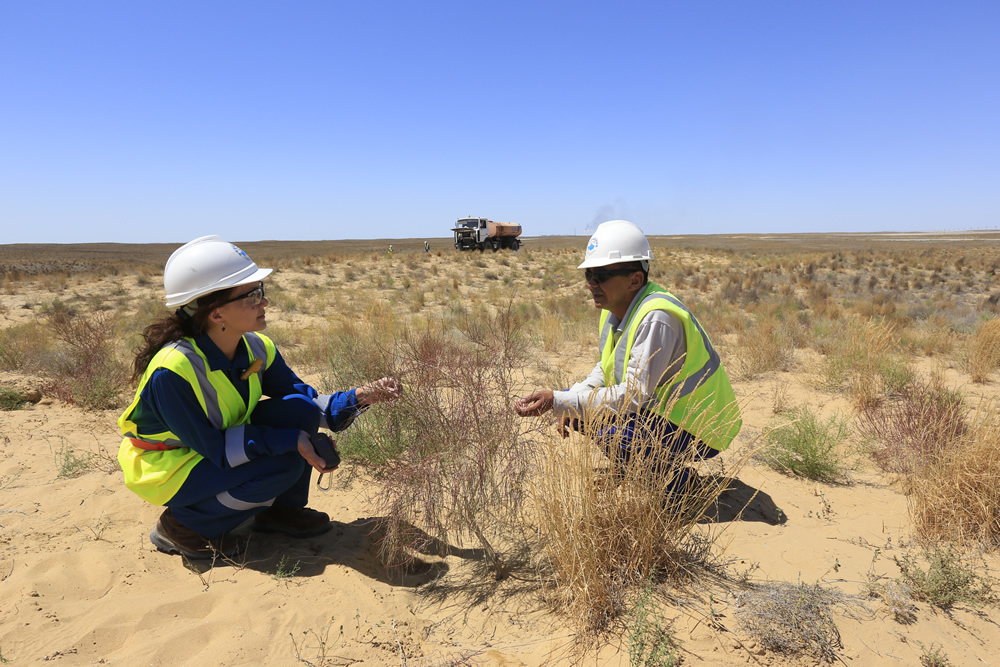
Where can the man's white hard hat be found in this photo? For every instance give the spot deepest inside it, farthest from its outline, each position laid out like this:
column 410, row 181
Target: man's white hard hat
column 205, row 265
column 617, row 241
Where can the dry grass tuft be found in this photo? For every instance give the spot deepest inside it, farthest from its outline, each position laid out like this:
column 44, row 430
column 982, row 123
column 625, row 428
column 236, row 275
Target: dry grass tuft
column 984, row 352
column 795, row 619
column 863, row 357
column 917, row 425
column 762, row 347
column 948, row 456
column 954, row 495
column 604, row 536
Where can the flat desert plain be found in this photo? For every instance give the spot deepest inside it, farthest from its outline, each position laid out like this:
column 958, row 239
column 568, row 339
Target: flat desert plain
column 792, row 317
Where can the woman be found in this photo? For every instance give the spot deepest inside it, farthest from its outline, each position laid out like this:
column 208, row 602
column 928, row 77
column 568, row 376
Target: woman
column 199, row 439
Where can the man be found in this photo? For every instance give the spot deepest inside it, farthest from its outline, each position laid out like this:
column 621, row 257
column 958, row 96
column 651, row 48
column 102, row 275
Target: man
column 658, row 373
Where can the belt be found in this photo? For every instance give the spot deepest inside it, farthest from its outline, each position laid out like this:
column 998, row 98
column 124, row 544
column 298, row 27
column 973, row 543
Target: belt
column 152, row 446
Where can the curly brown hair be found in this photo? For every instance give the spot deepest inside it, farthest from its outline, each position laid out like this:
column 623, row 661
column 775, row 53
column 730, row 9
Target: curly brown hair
column 178, row 324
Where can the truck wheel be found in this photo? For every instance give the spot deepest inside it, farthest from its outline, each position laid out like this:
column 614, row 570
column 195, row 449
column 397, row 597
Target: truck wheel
column 515, row 244
column 494, row 245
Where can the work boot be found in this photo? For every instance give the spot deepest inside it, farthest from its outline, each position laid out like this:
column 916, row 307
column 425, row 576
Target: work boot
column 171, row 537
column 292, row 521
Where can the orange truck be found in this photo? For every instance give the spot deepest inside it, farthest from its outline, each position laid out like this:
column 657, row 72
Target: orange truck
column 480, row 234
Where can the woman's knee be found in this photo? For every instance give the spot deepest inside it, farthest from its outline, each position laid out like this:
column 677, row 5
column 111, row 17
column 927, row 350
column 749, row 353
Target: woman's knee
column 288, row 467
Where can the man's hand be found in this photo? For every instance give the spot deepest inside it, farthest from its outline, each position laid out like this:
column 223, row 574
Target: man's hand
column 380, row 391
column 537, row 403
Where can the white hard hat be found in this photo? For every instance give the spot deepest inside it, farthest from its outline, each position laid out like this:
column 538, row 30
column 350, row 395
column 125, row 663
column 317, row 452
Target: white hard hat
column 205, row 265
column 617, row 241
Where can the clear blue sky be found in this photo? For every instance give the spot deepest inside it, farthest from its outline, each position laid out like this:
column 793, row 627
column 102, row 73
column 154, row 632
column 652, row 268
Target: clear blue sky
column 145, row 121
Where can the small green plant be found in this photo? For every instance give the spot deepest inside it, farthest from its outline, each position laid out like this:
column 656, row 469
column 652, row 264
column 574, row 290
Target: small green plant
column 804, row 445
column 894, row 594
column 73, row 463
column 946, row 581
column 933, row 656
column 322, row 648
column 286, row 569
column 649, row 641
column 7, row 480
column 98, row 527
column 11, row 399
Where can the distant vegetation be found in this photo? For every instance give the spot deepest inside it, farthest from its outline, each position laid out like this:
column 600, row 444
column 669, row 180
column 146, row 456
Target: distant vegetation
column 857, row 315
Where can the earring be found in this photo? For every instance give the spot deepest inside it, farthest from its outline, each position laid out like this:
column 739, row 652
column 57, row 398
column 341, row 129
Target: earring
column 223, row 326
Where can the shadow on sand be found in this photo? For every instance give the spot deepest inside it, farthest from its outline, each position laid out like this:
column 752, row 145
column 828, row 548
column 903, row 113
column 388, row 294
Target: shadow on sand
column 354, row 545
column 740, row 502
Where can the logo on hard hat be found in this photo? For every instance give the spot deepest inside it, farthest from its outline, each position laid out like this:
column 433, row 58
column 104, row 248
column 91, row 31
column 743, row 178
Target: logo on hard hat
column 239, row 251
column 592, row 246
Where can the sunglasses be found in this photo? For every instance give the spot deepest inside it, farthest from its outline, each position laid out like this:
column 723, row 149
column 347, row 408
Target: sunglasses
column 252, row 298
column 598, row 276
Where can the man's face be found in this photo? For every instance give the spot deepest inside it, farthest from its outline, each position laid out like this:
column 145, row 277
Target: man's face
column 610, row 287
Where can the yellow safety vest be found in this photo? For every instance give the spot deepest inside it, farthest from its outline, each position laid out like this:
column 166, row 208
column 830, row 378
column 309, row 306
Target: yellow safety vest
column 699, row 398
column 156, row 475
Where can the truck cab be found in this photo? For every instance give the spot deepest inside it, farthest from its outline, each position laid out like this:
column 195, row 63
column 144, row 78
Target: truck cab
column 481, row 233
column 470, row 233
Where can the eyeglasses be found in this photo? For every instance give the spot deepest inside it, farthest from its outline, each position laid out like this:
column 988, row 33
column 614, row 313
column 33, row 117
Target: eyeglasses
column 252, row 298
column 598, row 276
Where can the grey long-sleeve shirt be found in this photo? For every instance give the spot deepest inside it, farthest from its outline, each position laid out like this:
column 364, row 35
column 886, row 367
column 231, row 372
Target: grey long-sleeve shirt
column 657, row 354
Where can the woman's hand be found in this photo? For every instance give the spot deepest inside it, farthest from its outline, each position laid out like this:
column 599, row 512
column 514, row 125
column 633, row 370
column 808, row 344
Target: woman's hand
column 537, row 403
column 380, row 391
column 308, row 452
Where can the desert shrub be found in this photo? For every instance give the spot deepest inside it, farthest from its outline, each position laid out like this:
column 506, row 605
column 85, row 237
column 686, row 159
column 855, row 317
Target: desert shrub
column 932, row 336
column 25, row 347
column 802, row 444
column 720, row 317
column 451, row 455
column 416, row 300
column 794, row 619
column 933, row 656
column 913, row 428
column 896, row 596
column 73, row 463
column 947, row 581
column 90, row 371
column 983, row 356
column 11, row 399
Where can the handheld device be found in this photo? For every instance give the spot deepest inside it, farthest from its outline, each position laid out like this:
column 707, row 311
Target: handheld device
column 327, row 450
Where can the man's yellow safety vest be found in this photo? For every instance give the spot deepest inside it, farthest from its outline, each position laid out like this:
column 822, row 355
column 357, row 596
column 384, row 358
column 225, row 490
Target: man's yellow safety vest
column 156, row 464
column 699, row 398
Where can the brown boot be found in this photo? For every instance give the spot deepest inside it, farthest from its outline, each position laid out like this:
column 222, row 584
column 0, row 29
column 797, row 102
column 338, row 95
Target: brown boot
column 171, row 537
column 293, row 521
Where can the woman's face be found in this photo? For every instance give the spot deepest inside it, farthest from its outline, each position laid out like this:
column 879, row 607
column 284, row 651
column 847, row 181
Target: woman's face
column 245, row 310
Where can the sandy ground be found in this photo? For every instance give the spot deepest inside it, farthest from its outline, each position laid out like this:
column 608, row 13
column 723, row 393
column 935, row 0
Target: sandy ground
column 80, row 582
column 83, row 585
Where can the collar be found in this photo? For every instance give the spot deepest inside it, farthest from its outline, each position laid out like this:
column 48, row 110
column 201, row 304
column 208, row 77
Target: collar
column 217, row 361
